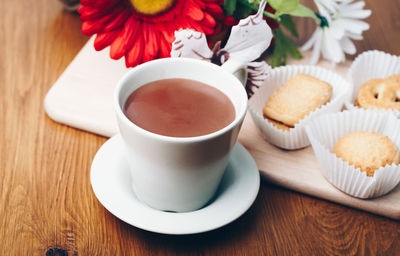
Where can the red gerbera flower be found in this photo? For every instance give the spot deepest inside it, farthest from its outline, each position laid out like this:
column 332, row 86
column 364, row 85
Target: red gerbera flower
column 142, row 30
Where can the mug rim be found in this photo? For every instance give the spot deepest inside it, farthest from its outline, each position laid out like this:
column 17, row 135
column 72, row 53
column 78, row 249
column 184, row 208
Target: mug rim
column 123, row 118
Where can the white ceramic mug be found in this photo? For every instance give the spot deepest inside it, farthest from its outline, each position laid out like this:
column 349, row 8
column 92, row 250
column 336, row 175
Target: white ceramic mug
column 179, row 174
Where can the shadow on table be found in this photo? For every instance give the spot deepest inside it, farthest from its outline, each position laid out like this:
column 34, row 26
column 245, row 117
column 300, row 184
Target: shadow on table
column 239, row 231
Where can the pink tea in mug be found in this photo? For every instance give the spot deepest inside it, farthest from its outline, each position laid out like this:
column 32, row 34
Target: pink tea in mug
column 179, row 107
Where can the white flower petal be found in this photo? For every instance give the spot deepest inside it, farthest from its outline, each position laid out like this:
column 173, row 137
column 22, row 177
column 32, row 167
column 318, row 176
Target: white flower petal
column 337, row 30
column 353, row 25
column 344, row 1
column 328, row 5
column 310, row 41
column 331, row 49
column 356, row 14
column 347, row 45
column 324, row 12
column 354, row 6
column 317, row 46
column 344, row 24
column 354, row 36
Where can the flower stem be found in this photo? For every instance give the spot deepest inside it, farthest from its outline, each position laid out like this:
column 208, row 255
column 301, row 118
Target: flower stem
column 323, row 22
column 268, row 14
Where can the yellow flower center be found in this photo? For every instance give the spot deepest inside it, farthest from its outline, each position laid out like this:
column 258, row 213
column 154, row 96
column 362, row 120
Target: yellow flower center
column 154, row 7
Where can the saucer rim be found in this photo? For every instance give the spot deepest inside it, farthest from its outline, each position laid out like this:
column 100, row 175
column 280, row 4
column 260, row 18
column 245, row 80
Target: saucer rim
column 251, row 170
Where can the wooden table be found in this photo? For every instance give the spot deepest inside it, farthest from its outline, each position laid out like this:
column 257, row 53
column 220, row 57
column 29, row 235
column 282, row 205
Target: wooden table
column 47, row 206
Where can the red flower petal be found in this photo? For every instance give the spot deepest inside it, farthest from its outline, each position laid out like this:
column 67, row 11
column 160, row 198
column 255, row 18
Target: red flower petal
column 195, row 25
column 151, row 39
column 208, row 20
column 134, row 56
column 194, row 11
column 229, row 21
column 208, row 24
column 208, row 30
column 215, row 10
column 144, row 37
column 165, row 48
column 219, row 2
column 132, row 32
column 105, row 39
column 100, row 4
column 117, row 49
column 271, row 22
column 146, row 56
column 166, row 32
column 91, row 27
column 200, row 3
column 118, row 21
column 184, row 23
column 88, row 13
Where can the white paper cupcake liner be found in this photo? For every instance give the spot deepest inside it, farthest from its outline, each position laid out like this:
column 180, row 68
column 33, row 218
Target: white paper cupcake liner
column 326, row 130
column 296, row 137
column 370, row 65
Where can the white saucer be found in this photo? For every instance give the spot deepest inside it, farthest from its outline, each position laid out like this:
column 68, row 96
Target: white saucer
column 111, row 184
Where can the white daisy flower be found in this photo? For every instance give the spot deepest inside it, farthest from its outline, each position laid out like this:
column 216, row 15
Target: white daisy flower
column 329, row 5
column 340, row 22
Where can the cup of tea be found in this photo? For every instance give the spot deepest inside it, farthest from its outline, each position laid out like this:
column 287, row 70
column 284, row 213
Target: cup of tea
column 179, row 120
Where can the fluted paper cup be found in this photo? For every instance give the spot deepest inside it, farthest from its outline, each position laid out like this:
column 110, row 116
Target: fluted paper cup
column 371, row 65
column 296, row 137
column 326, row 130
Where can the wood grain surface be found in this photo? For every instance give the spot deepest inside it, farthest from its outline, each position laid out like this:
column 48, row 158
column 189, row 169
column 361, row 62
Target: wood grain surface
column 47, row 206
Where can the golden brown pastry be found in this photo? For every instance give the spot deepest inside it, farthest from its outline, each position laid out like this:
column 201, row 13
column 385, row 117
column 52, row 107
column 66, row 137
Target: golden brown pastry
column 367, row 150
column 295, row 99
column 380, row 93
column 279, row 125
column 394, row 78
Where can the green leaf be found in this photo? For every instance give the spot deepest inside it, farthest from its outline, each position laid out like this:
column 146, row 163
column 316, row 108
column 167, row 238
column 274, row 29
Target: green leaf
column 283, row 47
column 284, row 6
column 242, row 11
column 288, row 23
column 229, row 7
column 303, row 11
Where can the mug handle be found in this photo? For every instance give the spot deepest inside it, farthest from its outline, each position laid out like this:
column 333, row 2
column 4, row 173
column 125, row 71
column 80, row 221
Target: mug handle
column 236, row 68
